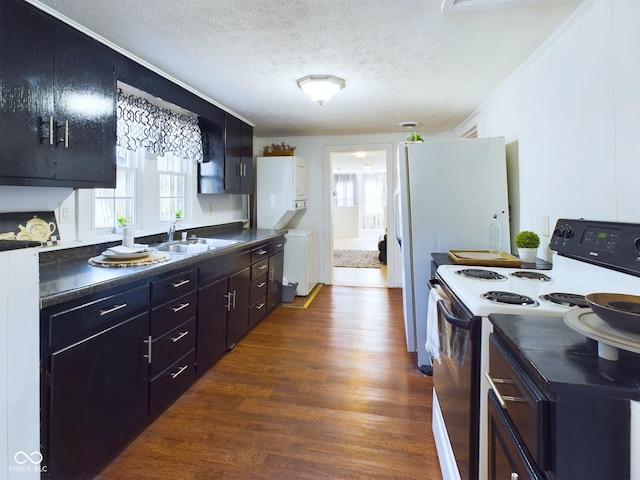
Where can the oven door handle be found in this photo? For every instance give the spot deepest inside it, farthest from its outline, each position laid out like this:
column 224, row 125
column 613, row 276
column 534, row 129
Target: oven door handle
column 433, row 282
column 453, row 320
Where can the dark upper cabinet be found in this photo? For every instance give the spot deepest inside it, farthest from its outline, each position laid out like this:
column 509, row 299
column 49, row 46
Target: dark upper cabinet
column 57, row 103
column 228, row 156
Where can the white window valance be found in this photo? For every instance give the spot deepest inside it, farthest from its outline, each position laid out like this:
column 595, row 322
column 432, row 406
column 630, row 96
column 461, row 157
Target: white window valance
column 141, row 124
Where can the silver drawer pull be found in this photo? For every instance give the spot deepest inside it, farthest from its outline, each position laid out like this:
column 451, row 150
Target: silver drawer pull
column 148, row 355
column 180, row 283
column 182, row 334
column 180, row 370
column 262, row 267
column 261, row 306
column 278, row 245
column 502, row 399
column 261, row 252
column 262, row 284
column 112, row 309
column 182, row 306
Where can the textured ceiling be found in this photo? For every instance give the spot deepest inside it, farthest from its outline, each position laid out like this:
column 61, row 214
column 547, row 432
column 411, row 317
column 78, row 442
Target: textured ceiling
column 401, row 59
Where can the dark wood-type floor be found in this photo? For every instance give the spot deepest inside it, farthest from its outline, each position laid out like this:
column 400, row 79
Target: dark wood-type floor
column 327, row 392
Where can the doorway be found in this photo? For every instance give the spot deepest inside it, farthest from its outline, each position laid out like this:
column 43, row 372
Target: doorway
column 359, row 217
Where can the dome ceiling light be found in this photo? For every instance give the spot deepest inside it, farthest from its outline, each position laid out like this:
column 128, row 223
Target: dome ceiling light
column 321, row 87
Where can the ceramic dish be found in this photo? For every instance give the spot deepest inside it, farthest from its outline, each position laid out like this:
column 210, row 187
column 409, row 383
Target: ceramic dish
column 125, row 256
column 619, row 310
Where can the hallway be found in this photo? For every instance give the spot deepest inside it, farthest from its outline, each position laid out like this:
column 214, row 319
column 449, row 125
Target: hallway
column 326, row 392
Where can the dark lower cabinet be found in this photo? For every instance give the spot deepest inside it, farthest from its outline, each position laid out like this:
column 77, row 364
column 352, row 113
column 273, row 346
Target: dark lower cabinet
column 274, row 287
column 98, row 398
column 212, row 324
column 238, row 305
column 113, row 361
column 508, row 458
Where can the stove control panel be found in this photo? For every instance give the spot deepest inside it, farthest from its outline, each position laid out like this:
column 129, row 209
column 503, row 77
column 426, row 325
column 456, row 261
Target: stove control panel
column 608, row 244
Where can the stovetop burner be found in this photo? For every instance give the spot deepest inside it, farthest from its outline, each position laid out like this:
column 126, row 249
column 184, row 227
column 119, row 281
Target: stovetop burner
column 532, row 276
column 510, row 298
column 566, row 299
column 480, row 274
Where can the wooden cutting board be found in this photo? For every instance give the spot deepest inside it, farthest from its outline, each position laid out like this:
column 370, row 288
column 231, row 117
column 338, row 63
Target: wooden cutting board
column 484, row 258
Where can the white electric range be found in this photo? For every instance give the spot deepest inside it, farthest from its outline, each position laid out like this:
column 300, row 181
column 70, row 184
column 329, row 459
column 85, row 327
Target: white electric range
column 592, row 257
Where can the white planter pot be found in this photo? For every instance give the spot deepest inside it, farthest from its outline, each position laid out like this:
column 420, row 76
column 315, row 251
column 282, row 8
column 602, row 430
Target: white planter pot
column 528, row 255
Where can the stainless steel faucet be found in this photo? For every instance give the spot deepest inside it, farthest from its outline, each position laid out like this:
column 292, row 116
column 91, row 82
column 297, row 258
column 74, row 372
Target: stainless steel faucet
column 171, row 231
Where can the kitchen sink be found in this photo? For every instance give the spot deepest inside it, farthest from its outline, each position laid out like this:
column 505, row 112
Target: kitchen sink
column 196, row 245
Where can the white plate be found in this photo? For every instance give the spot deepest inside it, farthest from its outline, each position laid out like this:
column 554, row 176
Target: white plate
column 125, row 256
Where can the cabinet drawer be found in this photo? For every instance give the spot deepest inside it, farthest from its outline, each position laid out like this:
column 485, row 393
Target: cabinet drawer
column 171, row 383
column 276, row 246
column 81, row 321
column 174, row 313
column 259, row 253
column 258, row 311
column 173, row 286
column 171, row 346
column 222, row 266
column 258, row 289
column 259, row 269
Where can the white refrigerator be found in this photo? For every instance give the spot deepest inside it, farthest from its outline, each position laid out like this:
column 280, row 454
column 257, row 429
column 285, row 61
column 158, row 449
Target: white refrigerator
column 445, row 197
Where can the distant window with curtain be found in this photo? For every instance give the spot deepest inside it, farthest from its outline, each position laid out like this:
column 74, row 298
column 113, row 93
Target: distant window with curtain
column 374, row 186
column 345, row 190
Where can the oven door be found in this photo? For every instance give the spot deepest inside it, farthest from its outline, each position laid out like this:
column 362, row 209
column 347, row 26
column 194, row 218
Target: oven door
column 456, row 380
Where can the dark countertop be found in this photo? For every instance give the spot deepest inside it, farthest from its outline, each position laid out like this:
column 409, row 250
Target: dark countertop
column 444, row 259
column 72, row 277
column 6, row 245
column 563, row 359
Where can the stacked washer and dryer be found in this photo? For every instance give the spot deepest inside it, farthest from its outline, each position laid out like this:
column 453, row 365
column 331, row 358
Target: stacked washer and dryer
column 281, row 194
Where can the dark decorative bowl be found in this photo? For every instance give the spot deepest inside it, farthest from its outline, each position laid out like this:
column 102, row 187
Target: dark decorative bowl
column 619, row 310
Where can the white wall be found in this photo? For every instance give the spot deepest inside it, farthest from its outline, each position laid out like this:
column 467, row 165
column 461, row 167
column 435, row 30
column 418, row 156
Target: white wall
column 316, row 151
column 570, row 115
column 201, row 210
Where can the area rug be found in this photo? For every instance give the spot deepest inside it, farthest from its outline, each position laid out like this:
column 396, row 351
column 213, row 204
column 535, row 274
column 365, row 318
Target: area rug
column 356, row 258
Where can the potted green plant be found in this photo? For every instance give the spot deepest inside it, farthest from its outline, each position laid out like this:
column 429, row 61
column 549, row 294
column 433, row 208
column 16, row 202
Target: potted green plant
column 527, row 243
column 415, row 137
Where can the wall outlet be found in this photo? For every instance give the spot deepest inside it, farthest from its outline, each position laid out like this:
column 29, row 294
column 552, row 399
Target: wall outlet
column 210, row 208
column 65, row 214
column 545, row 225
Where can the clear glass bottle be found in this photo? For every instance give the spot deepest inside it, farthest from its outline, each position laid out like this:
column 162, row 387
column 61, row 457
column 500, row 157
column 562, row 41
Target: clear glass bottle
column 495, row 234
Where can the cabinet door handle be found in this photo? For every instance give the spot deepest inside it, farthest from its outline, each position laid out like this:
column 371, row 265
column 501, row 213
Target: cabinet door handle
column 502, row 399
column 181, row 307
column 261, row 306
column 65, row 136
column 180, row 370
column 262, row 267
column 262, row 284
column 112, row 309
column 228, row 297
column 50, row 135
column 180, row 283
column 261, row 252
column 182, row 334
column 148, row 355
column 271, row 275
column 514, row 476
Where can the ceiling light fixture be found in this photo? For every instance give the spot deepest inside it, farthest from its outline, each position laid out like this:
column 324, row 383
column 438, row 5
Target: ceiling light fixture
column 360, row 154
column 321, row 87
